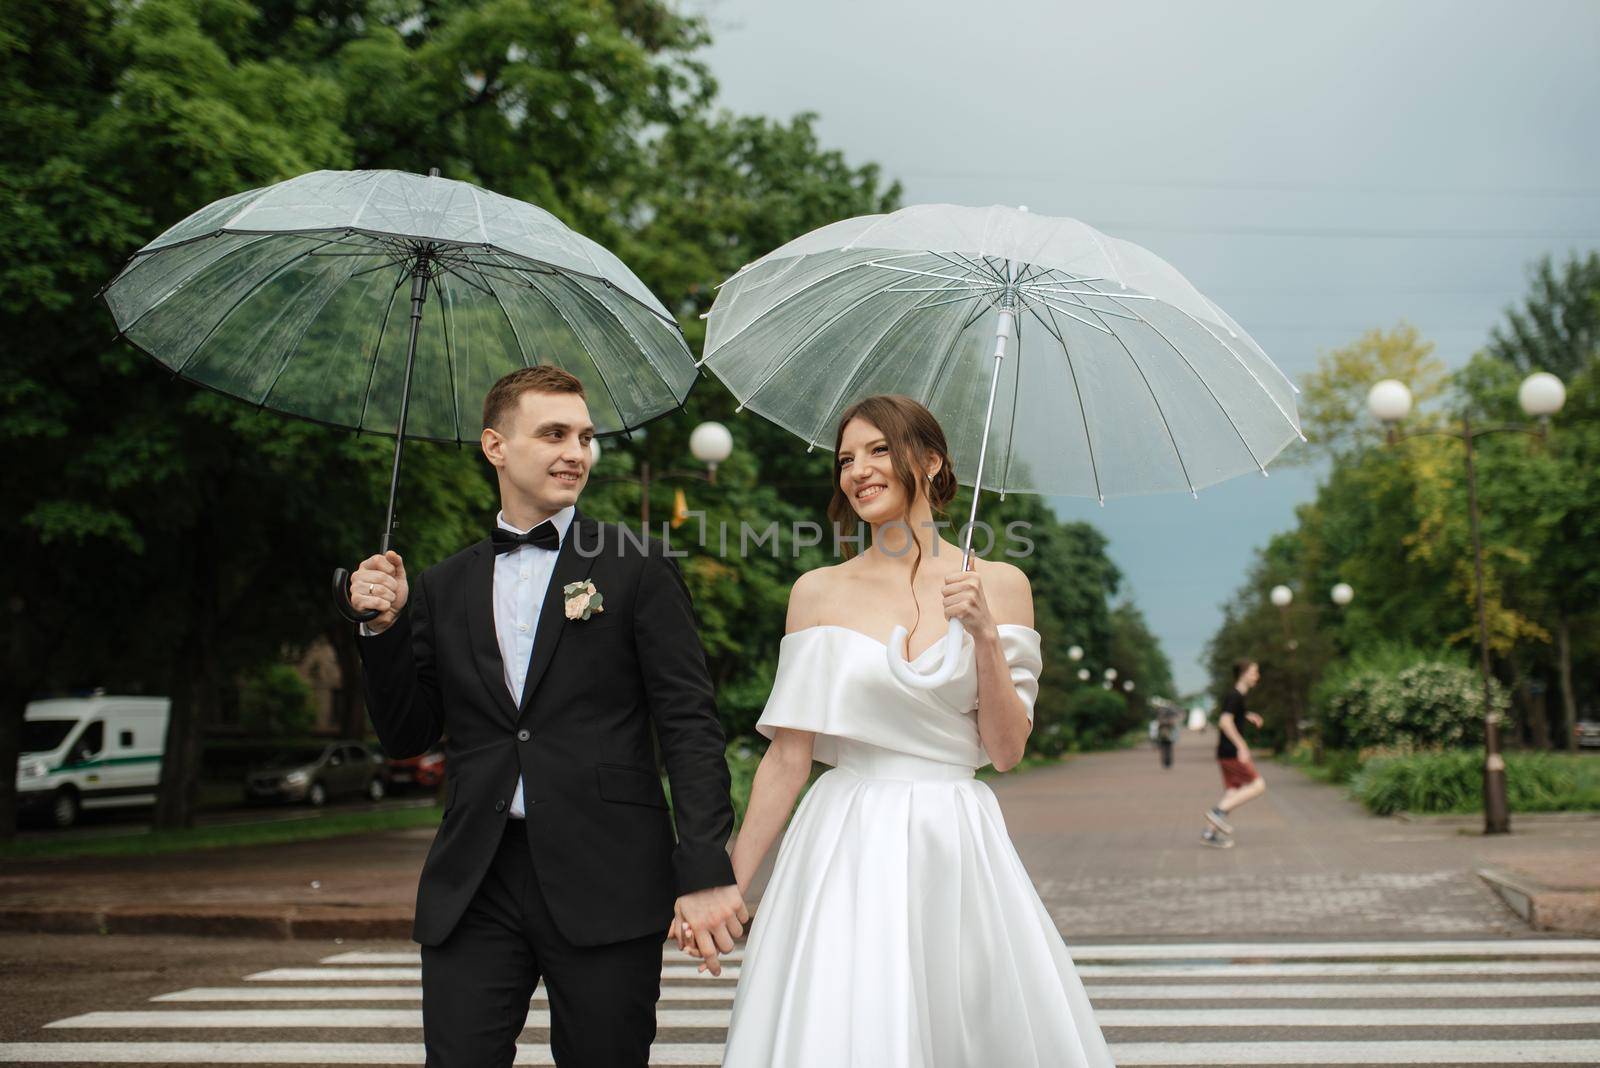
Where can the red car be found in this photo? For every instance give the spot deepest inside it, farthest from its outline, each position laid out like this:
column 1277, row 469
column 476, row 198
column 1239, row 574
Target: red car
column 426, row 770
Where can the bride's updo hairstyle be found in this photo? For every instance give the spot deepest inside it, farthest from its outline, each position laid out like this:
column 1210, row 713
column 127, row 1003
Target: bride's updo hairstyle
column 912, row 434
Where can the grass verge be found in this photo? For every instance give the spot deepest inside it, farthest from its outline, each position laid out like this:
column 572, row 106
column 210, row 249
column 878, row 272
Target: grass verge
column 234, row 836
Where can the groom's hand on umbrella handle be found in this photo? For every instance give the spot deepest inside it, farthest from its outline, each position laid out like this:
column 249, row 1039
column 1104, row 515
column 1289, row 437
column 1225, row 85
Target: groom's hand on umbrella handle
column 379, row 585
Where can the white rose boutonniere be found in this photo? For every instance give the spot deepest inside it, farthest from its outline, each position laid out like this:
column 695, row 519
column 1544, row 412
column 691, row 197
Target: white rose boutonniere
column 583, row 600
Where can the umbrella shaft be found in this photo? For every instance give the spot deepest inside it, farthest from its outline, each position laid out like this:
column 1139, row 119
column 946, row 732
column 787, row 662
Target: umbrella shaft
column 1002, row 334
column 419, row 294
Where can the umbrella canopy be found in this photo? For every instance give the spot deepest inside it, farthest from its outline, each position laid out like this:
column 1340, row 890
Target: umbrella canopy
column 1122, row 378
column 296, row 297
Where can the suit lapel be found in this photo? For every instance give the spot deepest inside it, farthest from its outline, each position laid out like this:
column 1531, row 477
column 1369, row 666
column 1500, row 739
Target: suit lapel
column 571, row 566
column 481, row 630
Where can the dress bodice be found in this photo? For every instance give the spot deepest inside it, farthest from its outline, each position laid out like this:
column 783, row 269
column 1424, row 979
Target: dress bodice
column 835, row 682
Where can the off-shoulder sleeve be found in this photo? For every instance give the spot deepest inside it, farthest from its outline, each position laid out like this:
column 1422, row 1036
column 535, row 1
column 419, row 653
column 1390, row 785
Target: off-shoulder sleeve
column 794, row 701
column 1021, row 646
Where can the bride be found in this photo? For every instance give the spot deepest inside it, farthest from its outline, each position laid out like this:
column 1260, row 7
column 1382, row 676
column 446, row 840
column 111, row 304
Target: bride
column 899, row 928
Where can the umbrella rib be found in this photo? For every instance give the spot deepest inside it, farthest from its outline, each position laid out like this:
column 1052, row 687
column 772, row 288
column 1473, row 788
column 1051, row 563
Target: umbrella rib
column 1055, row 308
column 1201, row 378
column 1231, row 351
column 775, row 305
column 1083, row 414
column 1011, row 431
column 377, row 351
column 304, row 330
column 270, row 276
column 644, row 350
column 449, row 355
column 1159, row 410
column 794, row 350
column 176, row 289
column 949, row 351
column 516, row 334
column 584, row 345
column 855, row 374
column 451, row 270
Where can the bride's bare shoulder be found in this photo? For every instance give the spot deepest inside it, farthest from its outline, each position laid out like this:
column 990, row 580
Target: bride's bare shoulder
column 810, row 595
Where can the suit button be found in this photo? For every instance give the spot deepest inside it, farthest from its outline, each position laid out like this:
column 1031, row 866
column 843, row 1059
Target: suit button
column 523, row 736
column 499, row 806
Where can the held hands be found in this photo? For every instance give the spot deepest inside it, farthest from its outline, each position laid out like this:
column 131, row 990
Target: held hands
column 964, row 600
column 706, row 923
column 380, row 584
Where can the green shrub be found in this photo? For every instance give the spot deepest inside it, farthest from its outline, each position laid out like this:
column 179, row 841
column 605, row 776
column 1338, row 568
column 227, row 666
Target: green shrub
column 274, row 701
column 1395, row 696
column 1095, row 719
column 1452, row 781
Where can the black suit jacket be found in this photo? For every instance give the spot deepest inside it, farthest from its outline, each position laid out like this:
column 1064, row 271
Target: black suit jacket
column 597, row 822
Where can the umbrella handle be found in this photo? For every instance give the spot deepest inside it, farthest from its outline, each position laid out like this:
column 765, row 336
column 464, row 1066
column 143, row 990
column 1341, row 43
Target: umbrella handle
column 940, row 675
column 341, row 599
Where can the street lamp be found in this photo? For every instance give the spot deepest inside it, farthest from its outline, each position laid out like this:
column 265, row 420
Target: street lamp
column 1075, row 653
column 1111, row 674
column 1083, row 674
column 1343, row 594
column 710, row 443
column 1541, row 396
column 1127, row 686
column 1283, row 597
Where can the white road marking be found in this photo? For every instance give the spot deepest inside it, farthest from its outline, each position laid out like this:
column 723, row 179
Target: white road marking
column 1525, row 1051
column 1333, row 968
column 692, row 992
column 1222, row 951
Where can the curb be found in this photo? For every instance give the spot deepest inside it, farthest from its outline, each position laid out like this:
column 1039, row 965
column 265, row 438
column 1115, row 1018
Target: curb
column 1575, row 910
column 281, row 924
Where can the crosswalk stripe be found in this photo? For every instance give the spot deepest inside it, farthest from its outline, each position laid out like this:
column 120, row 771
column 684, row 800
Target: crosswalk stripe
column 1098, row 992
column 413, row 975
column 414, row 957
column 376, row 1019
column 668, row 1019
column 1128, row 1054
column 1333, row 968
column 676, row 1054
column 691, row 992
column 1329, row 950
column 1527, row 1051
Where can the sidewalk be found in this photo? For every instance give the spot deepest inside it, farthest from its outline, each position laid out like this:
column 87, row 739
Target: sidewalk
column 1111, row 840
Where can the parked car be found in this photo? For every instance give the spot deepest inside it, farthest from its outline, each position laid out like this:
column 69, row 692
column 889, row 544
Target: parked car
column 80, row 753
column 316, row 775
column 425, row 770
column 1587, row 734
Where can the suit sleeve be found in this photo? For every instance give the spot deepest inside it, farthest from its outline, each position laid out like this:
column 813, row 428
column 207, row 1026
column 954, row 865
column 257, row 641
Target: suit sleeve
column 402, row 680
column 683, row 705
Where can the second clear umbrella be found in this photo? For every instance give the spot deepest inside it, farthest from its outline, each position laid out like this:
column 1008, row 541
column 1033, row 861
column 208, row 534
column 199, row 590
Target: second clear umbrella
column 1058, row 359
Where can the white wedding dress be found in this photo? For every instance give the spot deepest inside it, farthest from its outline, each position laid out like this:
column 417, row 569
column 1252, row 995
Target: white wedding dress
column 900, row 929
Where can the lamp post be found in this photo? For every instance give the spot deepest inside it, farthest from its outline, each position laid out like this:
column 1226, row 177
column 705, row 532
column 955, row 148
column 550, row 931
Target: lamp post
column 1541, row 396
column 710, row 443
column 1282, row 597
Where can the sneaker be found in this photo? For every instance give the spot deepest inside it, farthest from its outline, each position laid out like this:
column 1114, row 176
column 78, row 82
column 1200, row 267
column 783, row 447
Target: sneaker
column 1210, row 837
column 1219, row 820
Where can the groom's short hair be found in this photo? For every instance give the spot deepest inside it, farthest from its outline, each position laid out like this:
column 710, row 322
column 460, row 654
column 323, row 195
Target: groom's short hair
column 504, row 394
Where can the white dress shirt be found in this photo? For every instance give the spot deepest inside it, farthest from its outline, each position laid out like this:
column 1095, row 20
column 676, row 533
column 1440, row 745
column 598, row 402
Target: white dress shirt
column 520, row 579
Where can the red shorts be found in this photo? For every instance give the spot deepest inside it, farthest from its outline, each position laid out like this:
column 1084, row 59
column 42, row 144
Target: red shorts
column 1236, row 773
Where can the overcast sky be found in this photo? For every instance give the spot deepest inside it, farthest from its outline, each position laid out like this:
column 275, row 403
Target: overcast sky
column 1315, row 169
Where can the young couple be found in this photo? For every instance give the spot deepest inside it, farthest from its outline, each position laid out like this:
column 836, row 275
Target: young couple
column 898, row 928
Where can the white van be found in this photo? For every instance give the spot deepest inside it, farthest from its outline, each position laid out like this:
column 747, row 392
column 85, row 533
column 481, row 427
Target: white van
column 89, row 753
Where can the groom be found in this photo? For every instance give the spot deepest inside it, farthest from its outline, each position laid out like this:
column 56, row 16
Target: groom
column 545, row 654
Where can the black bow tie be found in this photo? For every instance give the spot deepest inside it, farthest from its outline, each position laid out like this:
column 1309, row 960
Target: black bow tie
column 543, row 536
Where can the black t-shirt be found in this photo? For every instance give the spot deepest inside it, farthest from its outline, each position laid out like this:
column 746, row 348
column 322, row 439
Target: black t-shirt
column 1233, row 702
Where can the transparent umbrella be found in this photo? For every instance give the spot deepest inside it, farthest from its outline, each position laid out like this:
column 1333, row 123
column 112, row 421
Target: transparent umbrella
column 1058, row 360
column 308, row 298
